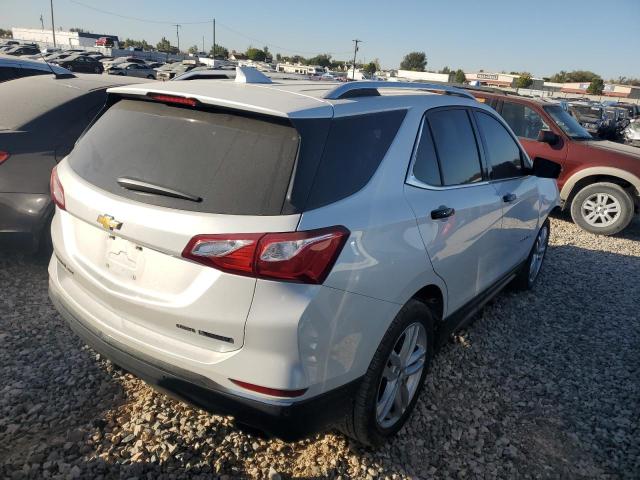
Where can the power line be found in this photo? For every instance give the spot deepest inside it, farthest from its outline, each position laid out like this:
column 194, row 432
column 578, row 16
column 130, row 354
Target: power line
column 173, row 23
column 128, row 17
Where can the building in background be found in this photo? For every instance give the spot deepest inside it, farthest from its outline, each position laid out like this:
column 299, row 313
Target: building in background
column 63, row 38
column 410, row 75
column 504, row 80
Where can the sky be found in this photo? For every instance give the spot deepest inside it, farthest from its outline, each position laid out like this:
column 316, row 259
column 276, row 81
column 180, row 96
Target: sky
column 541, row 36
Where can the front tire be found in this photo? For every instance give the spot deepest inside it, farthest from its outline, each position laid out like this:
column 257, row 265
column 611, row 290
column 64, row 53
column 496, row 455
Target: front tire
column 602, row 208
column 395, row 377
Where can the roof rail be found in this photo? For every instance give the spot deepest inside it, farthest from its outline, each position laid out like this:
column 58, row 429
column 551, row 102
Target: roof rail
column 371, row 88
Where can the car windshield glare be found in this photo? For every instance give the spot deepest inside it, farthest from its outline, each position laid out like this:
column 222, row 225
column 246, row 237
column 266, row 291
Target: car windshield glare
column 567, row 123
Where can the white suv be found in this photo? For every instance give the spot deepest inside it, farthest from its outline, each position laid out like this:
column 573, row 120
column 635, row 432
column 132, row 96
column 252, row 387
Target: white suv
column 292, row 253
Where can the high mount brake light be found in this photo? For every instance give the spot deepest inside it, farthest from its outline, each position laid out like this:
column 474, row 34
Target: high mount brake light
column 303, row 257
column 191, row 102
column 57, row 192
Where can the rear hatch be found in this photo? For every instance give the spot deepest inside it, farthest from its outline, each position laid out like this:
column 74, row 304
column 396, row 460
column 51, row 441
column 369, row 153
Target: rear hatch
column 144, row 180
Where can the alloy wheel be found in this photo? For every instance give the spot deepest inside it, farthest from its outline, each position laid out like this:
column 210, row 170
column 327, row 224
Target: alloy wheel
column 401, row 375
column 600, row 209
column 539, row 250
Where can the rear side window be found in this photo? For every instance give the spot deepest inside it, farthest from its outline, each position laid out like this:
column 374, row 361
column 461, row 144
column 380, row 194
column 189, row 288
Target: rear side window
column 353, row 151
column 235, row 164
column 456, row 146
column 502, row 150
column 425, row 167
column 524, row 122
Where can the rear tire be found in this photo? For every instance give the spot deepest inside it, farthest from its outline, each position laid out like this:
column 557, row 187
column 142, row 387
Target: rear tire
column 367, row 422
column 150, row 77
column 602, row 208
column 528, row 274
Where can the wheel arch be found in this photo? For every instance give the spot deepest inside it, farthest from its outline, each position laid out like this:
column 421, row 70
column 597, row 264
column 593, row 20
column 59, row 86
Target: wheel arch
column 432, row 296
column 590, row 176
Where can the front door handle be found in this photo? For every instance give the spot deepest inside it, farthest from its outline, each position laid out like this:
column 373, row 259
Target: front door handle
column 442, row 212
column 509, row 197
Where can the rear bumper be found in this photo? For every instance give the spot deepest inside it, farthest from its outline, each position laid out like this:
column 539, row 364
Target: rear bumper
column 25, row 213
column 289, row 422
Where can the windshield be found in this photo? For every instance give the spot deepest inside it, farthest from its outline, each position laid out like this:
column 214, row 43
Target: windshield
column 567, row 123
column 587, row 111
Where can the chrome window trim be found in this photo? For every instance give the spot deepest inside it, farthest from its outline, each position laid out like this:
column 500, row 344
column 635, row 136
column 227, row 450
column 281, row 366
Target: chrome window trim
column 410, row 178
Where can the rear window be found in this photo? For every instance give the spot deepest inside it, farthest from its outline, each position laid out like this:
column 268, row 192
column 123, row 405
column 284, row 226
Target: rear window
column 234, row 164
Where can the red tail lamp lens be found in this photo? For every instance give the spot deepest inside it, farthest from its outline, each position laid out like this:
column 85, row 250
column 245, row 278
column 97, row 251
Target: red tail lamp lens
column 57, row 192
column 304, row 257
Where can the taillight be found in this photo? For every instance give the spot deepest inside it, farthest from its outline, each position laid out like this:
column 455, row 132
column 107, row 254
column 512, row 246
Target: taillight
column 3, row 156
column 274, row 392
column 230, row 253
column 304, row 257
column 57, row 192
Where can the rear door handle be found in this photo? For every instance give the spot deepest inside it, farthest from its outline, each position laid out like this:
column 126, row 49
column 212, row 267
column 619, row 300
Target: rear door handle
column 509, row 197
column 442, row 212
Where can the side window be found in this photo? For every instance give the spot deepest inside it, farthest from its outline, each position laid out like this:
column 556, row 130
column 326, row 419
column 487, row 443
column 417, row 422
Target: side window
column 425, row 165
column 524, row 121
column 456, row 146
column 502, row 150
column 353, row 150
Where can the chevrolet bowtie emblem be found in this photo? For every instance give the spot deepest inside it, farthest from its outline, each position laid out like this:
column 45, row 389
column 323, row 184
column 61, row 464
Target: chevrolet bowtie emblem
column 108, row 222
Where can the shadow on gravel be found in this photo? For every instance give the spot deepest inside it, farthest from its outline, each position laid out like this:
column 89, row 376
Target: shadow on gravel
column 544, row 384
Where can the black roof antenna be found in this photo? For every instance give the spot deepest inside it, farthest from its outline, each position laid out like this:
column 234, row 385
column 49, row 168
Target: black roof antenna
column 57, row 75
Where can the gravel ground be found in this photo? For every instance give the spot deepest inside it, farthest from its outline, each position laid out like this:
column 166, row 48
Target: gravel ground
column 542, row 385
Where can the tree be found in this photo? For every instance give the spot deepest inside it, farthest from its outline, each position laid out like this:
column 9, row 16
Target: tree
column 5, row 33
column 460, row 76
column 416, row 61
column 524, row 80
column 445, row 70
column 324, row 60
column 79, row 30
column 370, row 68
column 136, row 43
column 256, row 54
column 575, row 76
column 193, row 49
column 596, row 86
column 164, row 45
column 219, row 52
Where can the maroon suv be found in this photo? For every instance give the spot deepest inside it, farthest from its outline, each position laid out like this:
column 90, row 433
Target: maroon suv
column 600, row 180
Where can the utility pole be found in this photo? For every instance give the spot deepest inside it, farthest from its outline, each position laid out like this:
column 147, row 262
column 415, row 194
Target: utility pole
column 355, row 51
column 177, row 25
column 214, row 38
column 42, row 21
column 203, row 43
column 53, row 26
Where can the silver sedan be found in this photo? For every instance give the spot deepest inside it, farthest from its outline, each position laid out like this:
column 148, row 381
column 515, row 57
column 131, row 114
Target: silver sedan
column 133, row 70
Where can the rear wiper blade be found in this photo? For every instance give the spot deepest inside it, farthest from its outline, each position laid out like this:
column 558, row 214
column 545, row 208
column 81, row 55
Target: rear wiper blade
column 138, row 185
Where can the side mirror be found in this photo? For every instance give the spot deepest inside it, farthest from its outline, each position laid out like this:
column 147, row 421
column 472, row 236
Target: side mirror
column 544, row 168
column 547, row 136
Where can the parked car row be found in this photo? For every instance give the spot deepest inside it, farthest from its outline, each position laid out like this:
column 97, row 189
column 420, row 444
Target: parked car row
column 600, row 180
column 603, row 120
column 292, row 256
